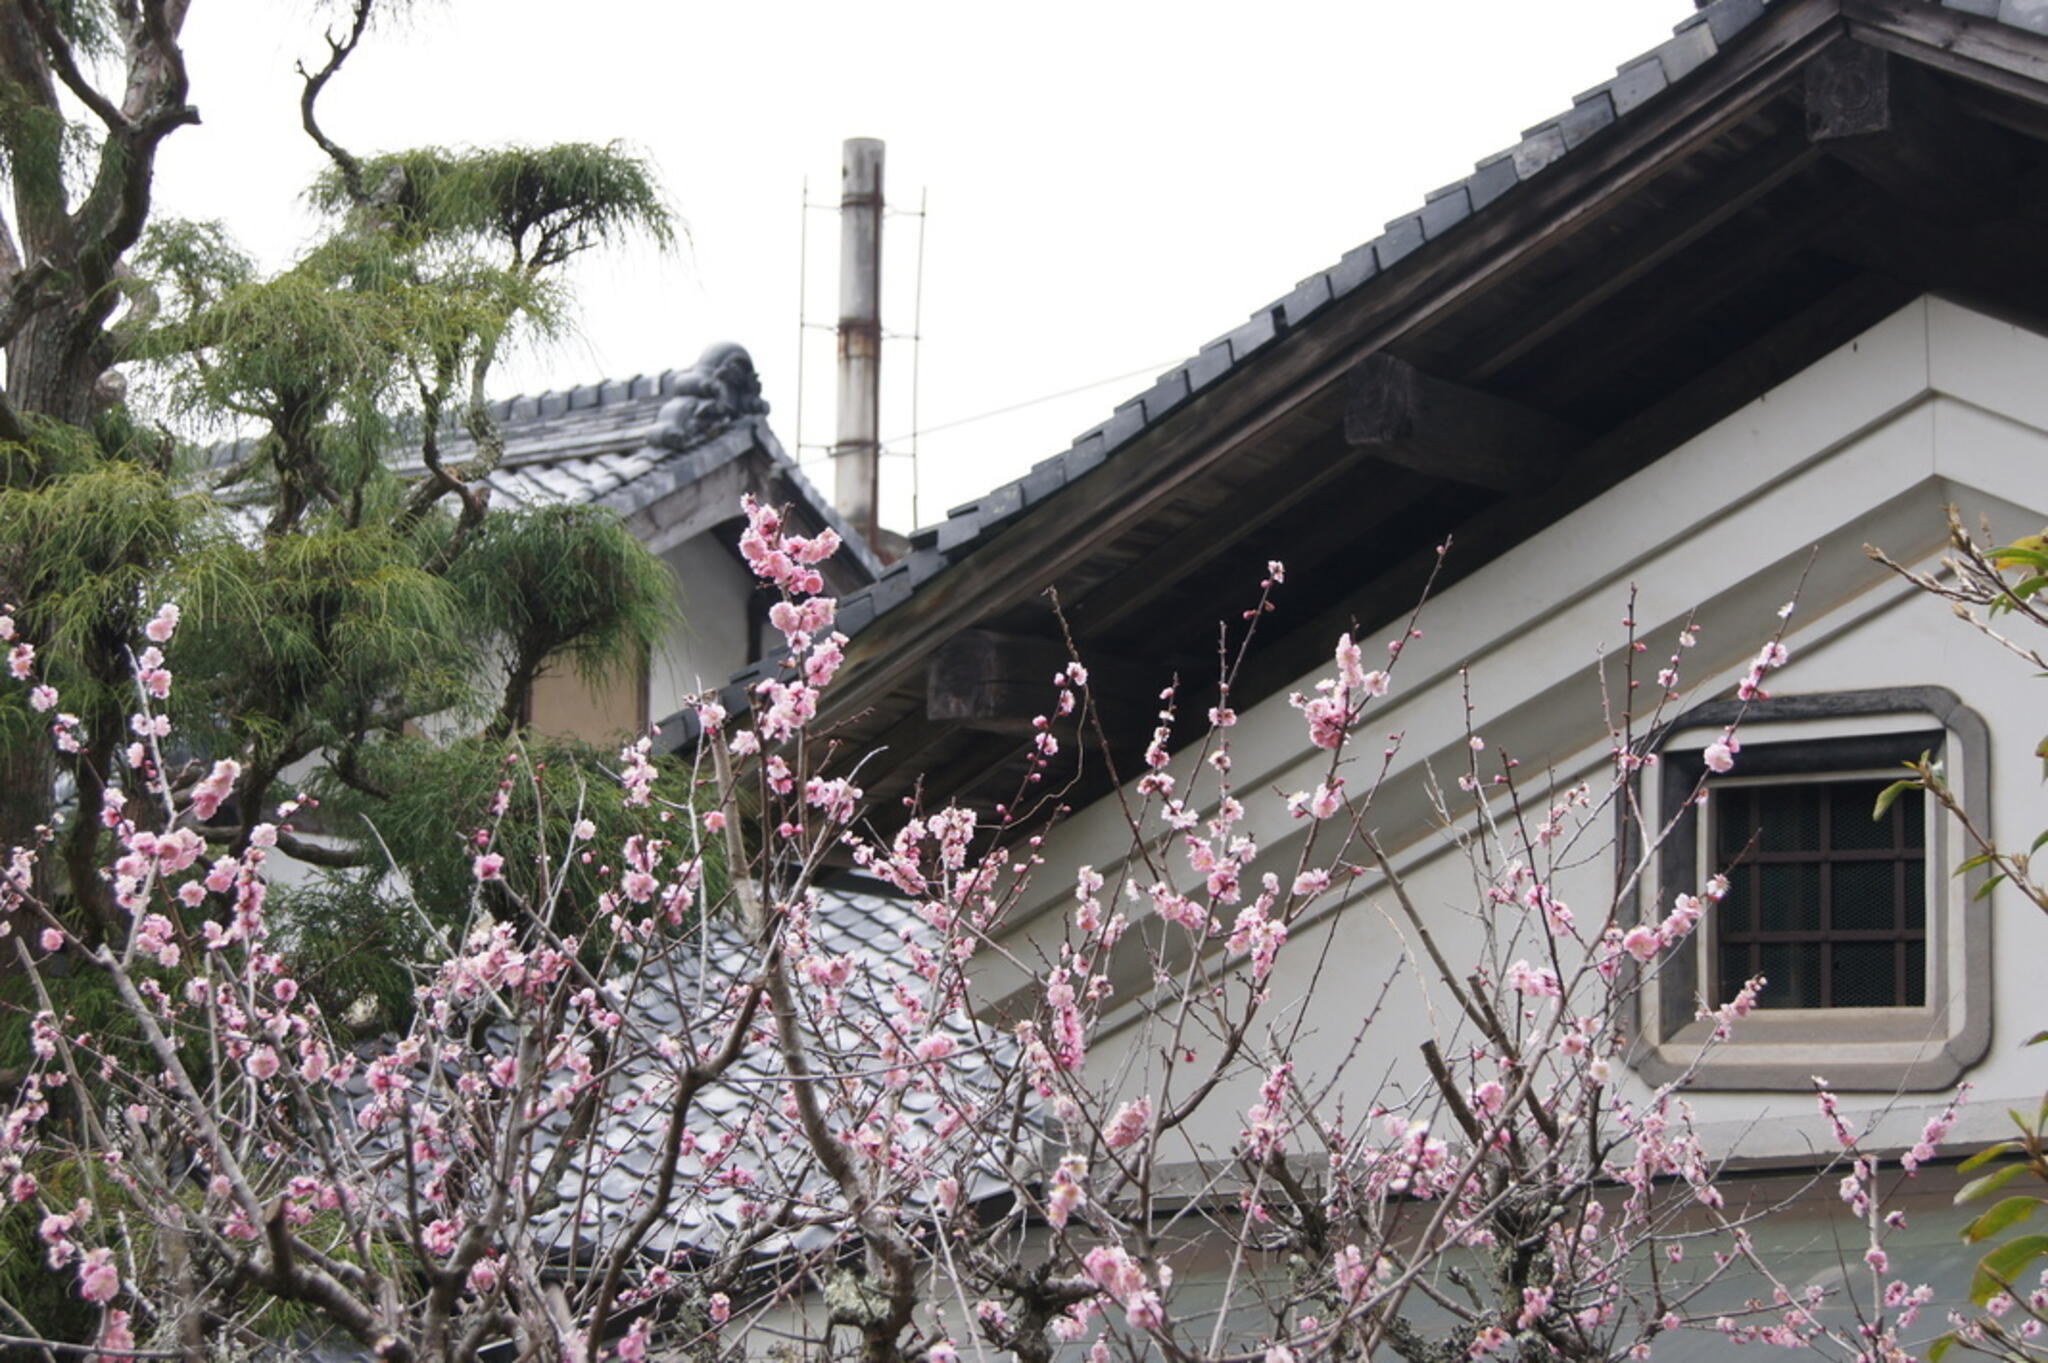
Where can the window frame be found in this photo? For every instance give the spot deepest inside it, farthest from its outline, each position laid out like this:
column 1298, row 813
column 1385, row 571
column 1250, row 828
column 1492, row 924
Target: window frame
column 1875, row 1048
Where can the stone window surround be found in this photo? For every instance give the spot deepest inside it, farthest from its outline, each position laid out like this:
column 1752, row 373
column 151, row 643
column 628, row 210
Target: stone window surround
column 1859, row 1049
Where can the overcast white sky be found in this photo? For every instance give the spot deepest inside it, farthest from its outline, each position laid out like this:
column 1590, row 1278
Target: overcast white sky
column 1110, row 184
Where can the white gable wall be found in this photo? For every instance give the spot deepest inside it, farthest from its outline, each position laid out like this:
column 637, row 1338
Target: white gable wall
column 709, row 641
column 1935, row 404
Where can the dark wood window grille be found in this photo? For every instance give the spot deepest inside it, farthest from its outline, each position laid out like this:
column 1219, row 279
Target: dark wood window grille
column 1825, row 902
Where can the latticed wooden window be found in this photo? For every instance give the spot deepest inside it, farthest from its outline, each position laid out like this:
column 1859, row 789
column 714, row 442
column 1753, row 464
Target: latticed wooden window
column 1829, row 905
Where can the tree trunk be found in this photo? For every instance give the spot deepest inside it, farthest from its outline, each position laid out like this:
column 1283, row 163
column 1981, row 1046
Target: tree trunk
column 50, row 369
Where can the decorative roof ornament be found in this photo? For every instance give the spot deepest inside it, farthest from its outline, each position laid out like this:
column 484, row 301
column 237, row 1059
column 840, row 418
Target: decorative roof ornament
column 717, row 391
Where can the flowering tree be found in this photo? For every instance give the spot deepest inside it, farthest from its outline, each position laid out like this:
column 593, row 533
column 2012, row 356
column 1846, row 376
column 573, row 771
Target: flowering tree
column 719, row 1107
column 1991, row 587
column 335, row 602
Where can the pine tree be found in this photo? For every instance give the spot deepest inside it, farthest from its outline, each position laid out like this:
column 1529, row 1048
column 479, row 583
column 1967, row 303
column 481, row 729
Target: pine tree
column 364, row 623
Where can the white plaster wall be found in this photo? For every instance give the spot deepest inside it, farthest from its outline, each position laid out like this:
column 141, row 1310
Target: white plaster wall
column 1935, row 404
column 709, row 643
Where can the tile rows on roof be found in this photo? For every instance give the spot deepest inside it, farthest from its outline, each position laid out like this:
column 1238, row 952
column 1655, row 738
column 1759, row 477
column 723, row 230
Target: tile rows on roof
column 599, row 454
column 545, row 424
column 734, row 1121
column 845, row 922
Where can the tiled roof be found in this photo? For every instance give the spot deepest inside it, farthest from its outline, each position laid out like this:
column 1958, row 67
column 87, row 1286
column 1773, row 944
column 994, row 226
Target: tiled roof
column 595, row 444
column 738, row 1124
column 1695, row 41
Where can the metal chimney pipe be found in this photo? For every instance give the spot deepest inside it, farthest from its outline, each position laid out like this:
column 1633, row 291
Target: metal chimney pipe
column 856, row 455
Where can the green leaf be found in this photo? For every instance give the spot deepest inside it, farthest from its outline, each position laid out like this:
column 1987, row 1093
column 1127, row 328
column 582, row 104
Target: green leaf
column 1984, row 1157
column 1984, row 890
column 2043, row 835
column 1990, row 1183
column 1889, row 794
column 2029, row 587
column 1981, row 859
column 1938, row 1350
column 2036, row 1039
column 1997, row 1270
column 2020, row 555
column 2009, row 1211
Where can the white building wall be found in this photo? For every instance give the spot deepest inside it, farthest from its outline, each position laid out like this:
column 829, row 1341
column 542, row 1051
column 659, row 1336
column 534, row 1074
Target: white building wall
column 1935, row 405
column 710, row 640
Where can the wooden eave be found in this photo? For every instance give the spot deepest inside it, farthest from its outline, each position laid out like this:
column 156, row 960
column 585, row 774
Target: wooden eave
column 1675, row 265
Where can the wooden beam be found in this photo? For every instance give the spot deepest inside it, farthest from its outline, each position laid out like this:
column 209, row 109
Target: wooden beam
column 979, row 675
column 1848, row 93
column 1980, row 50
column 987, row 679
column 1412, row 420
column 1717, row 391
column 1892, row 124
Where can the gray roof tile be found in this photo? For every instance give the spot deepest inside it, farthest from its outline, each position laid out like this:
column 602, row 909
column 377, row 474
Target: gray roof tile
column 1250, row 334
column 1536, row 150
column 1635, row 83
column 1684, row 53
column 1046, row 477
column 1125, row 422
column 854, row 613
column 1402, row 238
column 1211, row 362
column 955, row 531
column 1168, row 393
column 1583, row 120
column 1358, row 265
column 1986, row 9
column 1495, row 176
column 1089, row 450
column 1307, row 296
column 1001, row 504
column 1441, row 214
column 2031, row 15
column 1726, row 18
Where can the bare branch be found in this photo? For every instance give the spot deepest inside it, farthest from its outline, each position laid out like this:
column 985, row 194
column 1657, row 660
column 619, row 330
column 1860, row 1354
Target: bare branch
column 338, row 52
column 57, row 51
column 110, row 219
column 313, row 854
